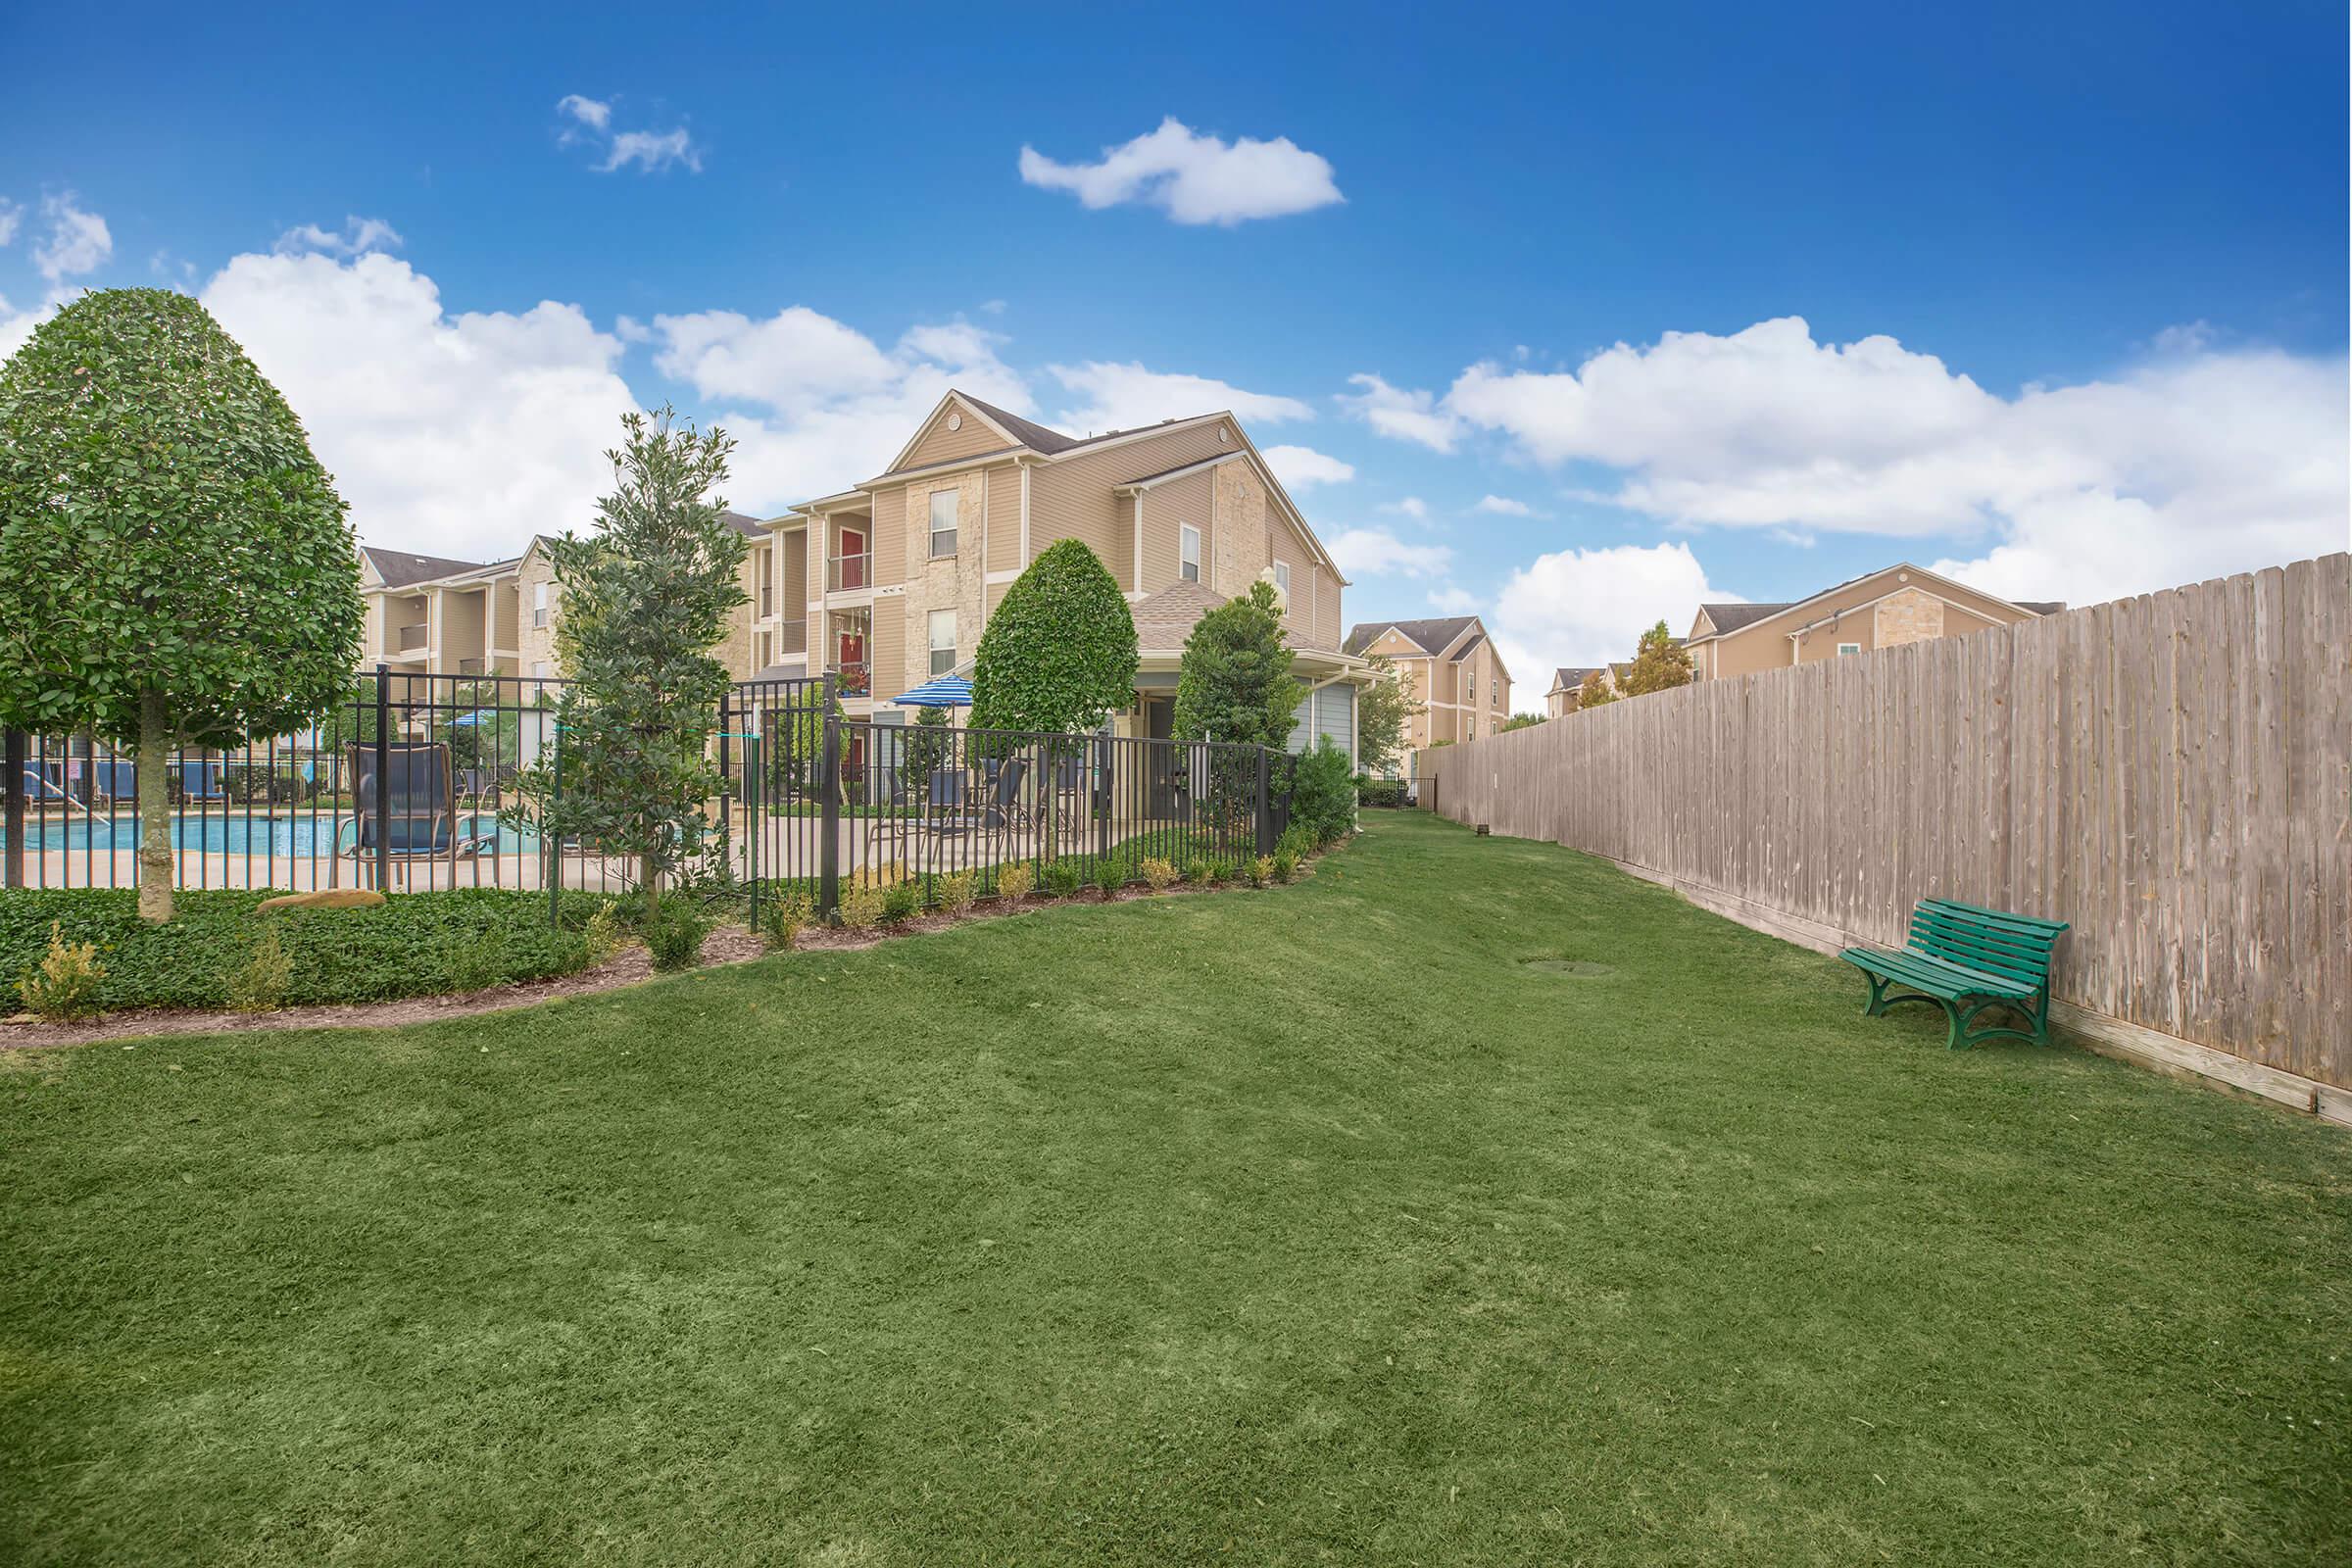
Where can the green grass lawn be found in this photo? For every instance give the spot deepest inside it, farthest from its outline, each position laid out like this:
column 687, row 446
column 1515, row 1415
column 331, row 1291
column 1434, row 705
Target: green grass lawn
column 1302, row 1226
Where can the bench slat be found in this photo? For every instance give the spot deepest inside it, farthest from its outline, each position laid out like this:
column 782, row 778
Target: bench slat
column 2003, row 917
column 1978, row 950
column 1933, row 975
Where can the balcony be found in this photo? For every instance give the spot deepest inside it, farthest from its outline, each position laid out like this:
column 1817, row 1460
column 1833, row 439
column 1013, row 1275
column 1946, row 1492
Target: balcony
column 852, row 679
column 843, row 572
column 412, row 637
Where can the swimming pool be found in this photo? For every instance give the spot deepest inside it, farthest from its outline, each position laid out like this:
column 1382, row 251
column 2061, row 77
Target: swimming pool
column 299, row 836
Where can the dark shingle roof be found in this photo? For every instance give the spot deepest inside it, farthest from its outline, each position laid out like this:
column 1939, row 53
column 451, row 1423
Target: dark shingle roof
column 748, row 526
column 1468, row 649
column 1432, row 635
column 1163, row 620
column 1570, row 677
column 1028, row 432
column 1731, row 618
column 2041, row 607
column 400, row 567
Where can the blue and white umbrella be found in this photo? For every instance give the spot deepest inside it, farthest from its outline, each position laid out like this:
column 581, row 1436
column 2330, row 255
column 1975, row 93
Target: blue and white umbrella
column 944, row 691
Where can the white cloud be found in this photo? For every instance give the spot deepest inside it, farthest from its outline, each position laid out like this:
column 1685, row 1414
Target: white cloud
column 1299, row 467
column 11, row 214
column 653, row 151
column 1377, row 553
column 1583, row 607
column 355, row 237
column 1402, row 414
column 593, row 112
column 1412, row 507
column 1504, row 507
column 2195, row 462
column 1195, row 178
column 1454, row 601
column 833, row 407
column 79, row 242
column 452, row 434
column 1126, row 397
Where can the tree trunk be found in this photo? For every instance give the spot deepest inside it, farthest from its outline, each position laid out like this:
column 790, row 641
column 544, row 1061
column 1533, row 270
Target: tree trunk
column 649, row 882
column 155, row 811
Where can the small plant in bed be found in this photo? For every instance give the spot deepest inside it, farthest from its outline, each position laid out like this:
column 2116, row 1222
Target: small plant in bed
column 1015, row 883
column 674, row 935
column 64, row 985
column 415, row 944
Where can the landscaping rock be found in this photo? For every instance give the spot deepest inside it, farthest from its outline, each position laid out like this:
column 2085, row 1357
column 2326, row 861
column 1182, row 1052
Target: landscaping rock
column 323, row 899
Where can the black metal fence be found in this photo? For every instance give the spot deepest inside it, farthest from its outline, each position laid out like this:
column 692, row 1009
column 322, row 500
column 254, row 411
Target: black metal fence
column 410, row 782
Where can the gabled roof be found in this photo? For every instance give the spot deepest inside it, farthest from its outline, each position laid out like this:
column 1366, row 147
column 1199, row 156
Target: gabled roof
column 1569, row 678
column 1432, row 637
column 1729, row 618
column 1468, row 649
column 744, row 524
column 399, row 567
column 1166, row 618
column 1028, row 432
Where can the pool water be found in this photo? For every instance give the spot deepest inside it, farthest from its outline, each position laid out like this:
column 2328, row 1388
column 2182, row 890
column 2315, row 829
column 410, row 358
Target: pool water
column 300, row 837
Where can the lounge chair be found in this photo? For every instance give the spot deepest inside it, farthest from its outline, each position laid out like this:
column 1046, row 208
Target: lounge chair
column 946, row 810
column 1005, row 808
column 418, row 819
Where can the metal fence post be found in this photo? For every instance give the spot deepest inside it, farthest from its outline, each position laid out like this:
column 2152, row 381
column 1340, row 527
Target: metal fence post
column 12, row 789
column 750, row 820
column 726, row 791
column 1265, row 804
column 828, row 786
column 550, row 841
column 383, row 777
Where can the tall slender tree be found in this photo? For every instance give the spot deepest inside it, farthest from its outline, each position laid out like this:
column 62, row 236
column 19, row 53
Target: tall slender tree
column 645, row 597
column 1384, row 710
column 176, row 568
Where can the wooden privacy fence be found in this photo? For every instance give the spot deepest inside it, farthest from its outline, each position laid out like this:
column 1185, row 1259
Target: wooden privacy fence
column 2172, row 773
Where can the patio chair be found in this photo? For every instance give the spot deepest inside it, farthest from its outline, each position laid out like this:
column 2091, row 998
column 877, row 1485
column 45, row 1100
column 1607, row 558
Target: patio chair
column 945, row 807
column 201, row 781
column 1005, row 808
column 418, row 818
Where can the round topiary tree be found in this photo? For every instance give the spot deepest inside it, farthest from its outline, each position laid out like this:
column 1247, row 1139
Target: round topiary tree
column 1058, row 655
column 175, row 565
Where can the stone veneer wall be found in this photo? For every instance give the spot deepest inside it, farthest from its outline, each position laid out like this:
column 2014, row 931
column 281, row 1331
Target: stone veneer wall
column 1238, row 552
column 1906, row 617
column 958, row 582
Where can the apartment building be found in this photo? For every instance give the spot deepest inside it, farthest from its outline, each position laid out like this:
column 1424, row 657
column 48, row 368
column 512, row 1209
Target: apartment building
column 431, row 613
column 897, row 574
column 1561, row 697
column 1883, row 609
column 1457, row 677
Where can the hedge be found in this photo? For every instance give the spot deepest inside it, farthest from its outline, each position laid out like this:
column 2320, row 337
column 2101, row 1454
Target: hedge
column 416, row 943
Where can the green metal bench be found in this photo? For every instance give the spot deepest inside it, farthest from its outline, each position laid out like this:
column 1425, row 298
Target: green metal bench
column 1967, row 960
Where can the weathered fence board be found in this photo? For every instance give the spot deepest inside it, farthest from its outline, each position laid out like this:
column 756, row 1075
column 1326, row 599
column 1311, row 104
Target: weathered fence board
column 2172, row 773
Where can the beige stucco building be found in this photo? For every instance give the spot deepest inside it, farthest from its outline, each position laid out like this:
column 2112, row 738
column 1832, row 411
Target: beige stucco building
column 1561, row 697
column 890, row 582
column 1898, row 604
column 433, row 615
column 1457, row 677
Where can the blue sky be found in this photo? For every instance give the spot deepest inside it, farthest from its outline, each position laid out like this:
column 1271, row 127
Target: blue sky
column 1713, row 301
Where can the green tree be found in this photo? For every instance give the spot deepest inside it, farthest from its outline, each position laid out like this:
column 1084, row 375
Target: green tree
column 1058, row 655
column 1596, row 691
column 1521, row 722
column 644, row 597
column 1383, row 712
column 1235, row 681
column 1058, row 658
column 1234, row 685
column 176, row 568
column 1659, row 663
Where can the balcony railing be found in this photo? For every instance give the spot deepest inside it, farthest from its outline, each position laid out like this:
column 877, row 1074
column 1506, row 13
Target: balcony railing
column 849, row 571
column 852, row 678
column 411, row 636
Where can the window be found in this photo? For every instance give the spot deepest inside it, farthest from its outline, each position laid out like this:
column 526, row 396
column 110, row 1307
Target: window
column 539, row 604
column 1281, row 579
column 539, row 669
column 1187, row 553
column 942, row 641
column 1494, row 690
column 1845, row 649
column 943, row 524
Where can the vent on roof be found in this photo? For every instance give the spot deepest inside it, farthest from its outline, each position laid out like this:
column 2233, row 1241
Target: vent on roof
column 955, row 422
